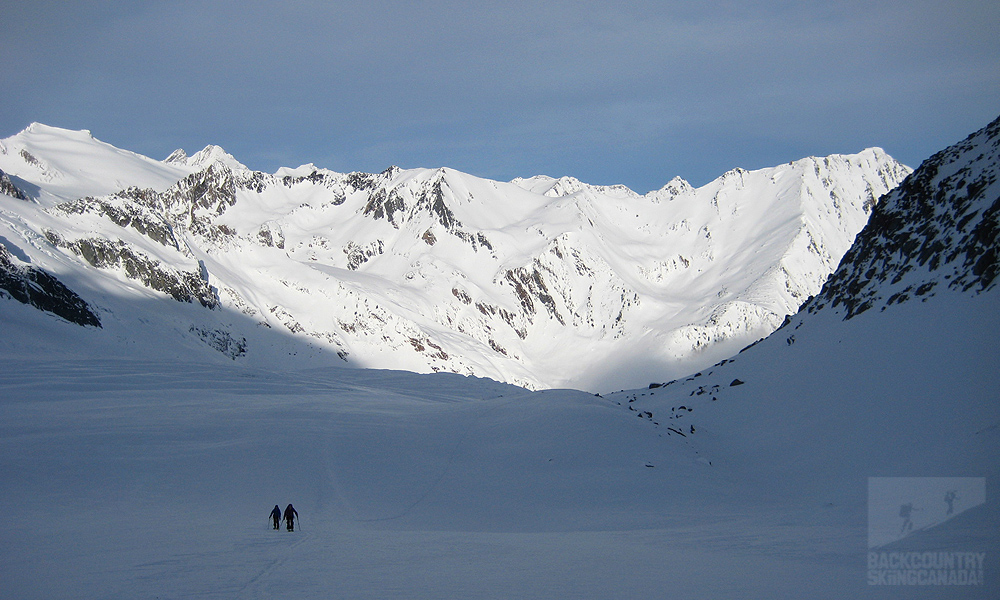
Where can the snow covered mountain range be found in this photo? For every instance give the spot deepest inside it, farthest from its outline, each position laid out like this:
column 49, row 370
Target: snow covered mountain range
column 137, row 477
column 540, row 282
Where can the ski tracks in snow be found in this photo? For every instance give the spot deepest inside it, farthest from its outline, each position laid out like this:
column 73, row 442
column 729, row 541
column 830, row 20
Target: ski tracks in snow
column 257, row 586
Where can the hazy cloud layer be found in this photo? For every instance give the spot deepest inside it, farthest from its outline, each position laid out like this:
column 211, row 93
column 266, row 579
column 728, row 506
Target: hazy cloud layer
column 625, row 92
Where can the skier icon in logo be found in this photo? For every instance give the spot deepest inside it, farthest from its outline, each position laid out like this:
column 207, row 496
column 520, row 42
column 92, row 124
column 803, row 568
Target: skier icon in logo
column 950, row 497
column 905, row 510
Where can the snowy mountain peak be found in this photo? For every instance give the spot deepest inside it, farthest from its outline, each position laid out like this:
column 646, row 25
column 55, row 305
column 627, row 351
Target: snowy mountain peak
column 300, row 171
column 53, row 165
column 41, row 129
column 177, row 156
column 569, row 186
column 565, row 186
column 205, row 157
column 675, row 187
column 210, row 155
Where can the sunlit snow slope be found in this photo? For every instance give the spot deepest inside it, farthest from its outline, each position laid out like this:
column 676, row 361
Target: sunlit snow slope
column 540, row 282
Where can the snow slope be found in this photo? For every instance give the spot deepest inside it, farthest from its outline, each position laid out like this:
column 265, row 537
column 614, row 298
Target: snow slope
column 540, row 282
column 139, row 478
column 51, row 165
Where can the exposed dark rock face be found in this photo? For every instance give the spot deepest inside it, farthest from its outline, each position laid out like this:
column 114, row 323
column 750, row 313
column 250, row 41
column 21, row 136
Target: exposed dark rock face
column 223, row 341
column 31, row 160
column 271, row 235
column 139, row 209
column 362, row 181
column 940, row 228
column 196, row 200
column 40, row 289
column 530, row 285
column 385, row 205
column 359, row 255
column 392, row 204
column 433, row 200
column 326, row 179
column 183, row 286
column 8, row 187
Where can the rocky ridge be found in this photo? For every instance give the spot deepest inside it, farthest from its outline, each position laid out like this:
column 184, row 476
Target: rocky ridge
column 939, row 228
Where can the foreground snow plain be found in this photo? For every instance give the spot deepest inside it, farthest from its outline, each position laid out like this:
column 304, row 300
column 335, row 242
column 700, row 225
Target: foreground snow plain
column 141, row 479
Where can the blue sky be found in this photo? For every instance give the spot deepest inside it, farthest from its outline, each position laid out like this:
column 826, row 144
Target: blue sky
column 609, row 92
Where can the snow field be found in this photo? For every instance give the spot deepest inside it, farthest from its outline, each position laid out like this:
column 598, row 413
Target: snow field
column 143, row 479
column 134, row 479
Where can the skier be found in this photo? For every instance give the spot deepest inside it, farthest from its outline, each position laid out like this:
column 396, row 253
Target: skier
column 276, row 516
column 290, row 515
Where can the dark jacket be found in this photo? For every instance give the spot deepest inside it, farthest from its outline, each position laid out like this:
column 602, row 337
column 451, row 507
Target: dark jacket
column 276, row 513
column 289, row 511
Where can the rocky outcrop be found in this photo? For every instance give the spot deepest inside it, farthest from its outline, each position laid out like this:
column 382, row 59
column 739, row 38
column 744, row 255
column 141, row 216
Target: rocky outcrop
column 38, row 288
column 138, row 209
column 183, row 286
column 221, row 341
column 403, row 203
column 939, row 229
column 197, row 200
column 8, row 187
